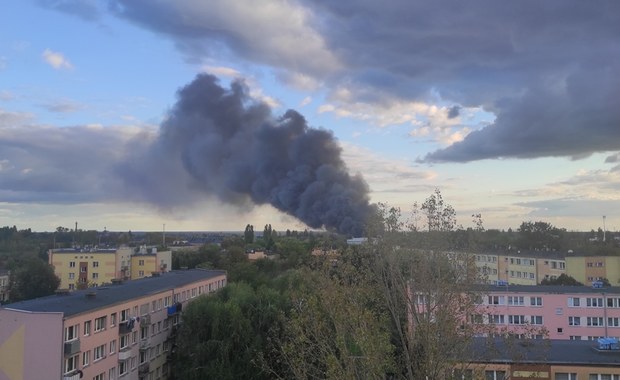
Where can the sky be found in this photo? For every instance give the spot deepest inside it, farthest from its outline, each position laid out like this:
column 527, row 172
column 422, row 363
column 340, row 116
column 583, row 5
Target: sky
column 119, row 114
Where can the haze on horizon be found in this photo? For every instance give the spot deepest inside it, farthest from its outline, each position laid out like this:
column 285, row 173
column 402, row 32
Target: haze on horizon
column 510, row 109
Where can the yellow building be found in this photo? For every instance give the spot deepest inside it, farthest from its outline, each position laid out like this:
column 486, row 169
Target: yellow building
column 83, row 267
column 586, row 269
column 148, row 261
column 487, row 266
column 79, row 268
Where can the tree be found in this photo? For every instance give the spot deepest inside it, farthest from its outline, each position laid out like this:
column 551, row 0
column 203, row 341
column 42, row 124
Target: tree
column 440, row 216
column 539, row 235
column 32, row 278
column 562, row 279
column 249, row 234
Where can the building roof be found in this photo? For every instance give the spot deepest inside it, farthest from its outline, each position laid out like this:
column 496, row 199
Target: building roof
column 542, row 351
column 553, row 289
column 104, row 296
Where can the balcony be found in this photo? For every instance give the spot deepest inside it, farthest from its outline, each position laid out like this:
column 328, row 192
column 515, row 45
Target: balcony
column 124, row 354
column 143, row 369
column 75, row 375
column 145, row 319
column 72, row 348
column 145, row 344
column 175, row 309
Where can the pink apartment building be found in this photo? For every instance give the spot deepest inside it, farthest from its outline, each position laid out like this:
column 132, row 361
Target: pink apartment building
column 567, row 312
column 122, row 331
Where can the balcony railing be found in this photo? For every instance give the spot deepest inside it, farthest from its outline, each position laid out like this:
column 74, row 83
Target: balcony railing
column 124, row 354
column 75, row 375
column 72, row 348
column 174, row 309
column 143, row 369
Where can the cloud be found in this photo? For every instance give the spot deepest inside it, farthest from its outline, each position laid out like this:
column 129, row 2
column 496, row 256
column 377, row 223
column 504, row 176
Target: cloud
column 6, row 96
column 56, row 60
column 63, row 106
column 84, row 9
column 613, row 158
column 276, row 32
column 221, row 71
column 307, row 100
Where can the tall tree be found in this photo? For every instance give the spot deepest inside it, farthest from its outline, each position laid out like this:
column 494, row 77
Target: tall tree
column 32, row 278
column 440, row 216
column 249, row 234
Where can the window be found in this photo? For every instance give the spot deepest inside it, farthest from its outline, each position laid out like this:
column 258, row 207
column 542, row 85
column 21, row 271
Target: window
column 100, row 324
column 133, row 362
column 144, row 332
column 141, row 273
column 573, row 301
column 494, row 375
column 143, row 357
column 167, row 301
column 517, row 319
column 496, row 300
column 95, row 264
column 476, row 318
column 71, row 286
column 594, row 321
column 95, row 276
column 100, row 376
column 574, row 321
column 124, row 315
column 112, row 319
column 71, row 276
column 99, row 352
column 613, row 302
column 516, row 300
column 141, row 263
column 71, row 363
column 613, row 322
column 536, row 320
column 565, row 376
column 83, row 269
column 536, row 301
column 124, row 341
column 113, row 346
column 594, row 302
column 86, row 328
column 85, row 358
column 112, row 373
column 71, row 333
column 496, row 319
column 122, row 368
column 596, row 376
column 71, row 264
column 154, row 306
column 574, row 337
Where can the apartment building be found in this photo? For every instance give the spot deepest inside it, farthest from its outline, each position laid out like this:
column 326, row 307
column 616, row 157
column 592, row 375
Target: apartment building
column 565, row 312
column 88, row 267
column 118, row 332
column 552, row 360
column 527, row 268
column 587, row 269
column 4, row 285
column 149, row 260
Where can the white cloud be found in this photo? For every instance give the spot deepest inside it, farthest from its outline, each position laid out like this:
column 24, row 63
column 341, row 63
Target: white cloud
column 6, row 95
column 307, row 100
column 221, row 71
column 56, row 60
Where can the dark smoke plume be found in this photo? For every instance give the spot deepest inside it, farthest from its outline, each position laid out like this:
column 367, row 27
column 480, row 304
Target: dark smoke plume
column 232, row 147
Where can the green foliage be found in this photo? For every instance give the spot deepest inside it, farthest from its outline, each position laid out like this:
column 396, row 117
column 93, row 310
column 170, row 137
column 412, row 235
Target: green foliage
column 562, row 279
column 248, row 234
column 32, row 278
column 224, row 334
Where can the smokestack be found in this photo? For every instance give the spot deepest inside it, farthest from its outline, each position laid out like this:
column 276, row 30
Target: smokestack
column 234, row 148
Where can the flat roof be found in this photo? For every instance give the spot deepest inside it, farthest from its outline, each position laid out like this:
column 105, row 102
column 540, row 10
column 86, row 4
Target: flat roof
column 542, row 351
column 77, row 302
column 552, row 289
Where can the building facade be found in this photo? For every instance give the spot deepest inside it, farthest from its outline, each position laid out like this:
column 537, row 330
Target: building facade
column 4, row 286
column 587, row 269
column 557, row 312
column 80, row 268
column 529, row 268
column 123, row 331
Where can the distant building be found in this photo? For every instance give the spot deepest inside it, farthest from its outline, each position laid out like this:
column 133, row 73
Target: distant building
column 120, row 332
column 587, row 269
column 4, row 286
column 527, row 268
column 88, row 267
column 357, row 241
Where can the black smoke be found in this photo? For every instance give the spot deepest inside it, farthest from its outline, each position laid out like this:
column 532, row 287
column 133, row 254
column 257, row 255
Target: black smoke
column 234, row 148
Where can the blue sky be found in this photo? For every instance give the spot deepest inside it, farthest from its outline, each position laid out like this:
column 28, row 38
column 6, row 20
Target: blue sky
column 510, row 110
